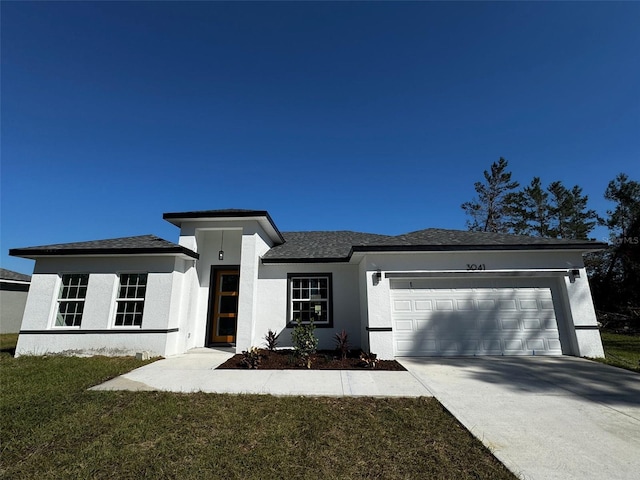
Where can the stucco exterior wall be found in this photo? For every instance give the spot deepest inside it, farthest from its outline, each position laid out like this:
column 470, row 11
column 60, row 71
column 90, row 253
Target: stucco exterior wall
column 572, row 297
column 583, row 316
column 253, row 247
column 364, row 311
column 97, row 332
column 92, row 344
column 12, row 303
column 272, row 301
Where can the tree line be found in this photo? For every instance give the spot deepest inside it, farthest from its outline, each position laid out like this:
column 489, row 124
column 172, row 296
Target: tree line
column 501, row 206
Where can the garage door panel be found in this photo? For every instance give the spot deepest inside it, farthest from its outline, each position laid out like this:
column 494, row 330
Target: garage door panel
column 492, row 347
column 509, row 305
column 474, row 321
column 486, row 304
column 449, row 347
column 554, row 344
column 402, row 305
column 465, row 305
column 512, row 346
column 509, row 324
column 444, row 305
column 550, row 323
column 536, row 344
column 546, row 304
column 423, row 305
column 404, row 326
column 528, row 304
column 488, row 323
column 532, row 324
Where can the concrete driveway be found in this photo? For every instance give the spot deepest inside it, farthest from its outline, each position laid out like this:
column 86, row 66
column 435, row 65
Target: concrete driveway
column 543, row 417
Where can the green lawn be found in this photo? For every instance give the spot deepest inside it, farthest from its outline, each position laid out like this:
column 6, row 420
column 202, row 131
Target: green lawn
column 621, row 350
column 51, row 427
column 8, row 343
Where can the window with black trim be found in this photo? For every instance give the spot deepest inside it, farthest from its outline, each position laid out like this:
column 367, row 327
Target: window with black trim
column 73, row 290
column 130, row 299
column 310, row 297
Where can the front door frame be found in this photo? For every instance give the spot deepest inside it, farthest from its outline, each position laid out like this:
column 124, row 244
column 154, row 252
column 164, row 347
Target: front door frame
column 212, row 304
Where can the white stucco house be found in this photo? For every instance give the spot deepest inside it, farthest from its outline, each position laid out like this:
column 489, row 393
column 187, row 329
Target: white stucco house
column 233, row 275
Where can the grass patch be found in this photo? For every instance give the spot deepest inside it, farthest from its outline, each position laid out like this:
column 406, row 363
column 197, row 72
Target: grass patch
column 621, row 350
column 52, row 427
column 8, row 342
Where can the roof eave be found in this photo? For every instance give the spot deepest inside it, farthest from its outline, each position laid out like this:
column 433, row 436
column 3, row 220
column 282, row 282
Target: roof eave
column 176, row 218
column 585, row 247
column 305, row 260
column 33, row 254
column 17, row 282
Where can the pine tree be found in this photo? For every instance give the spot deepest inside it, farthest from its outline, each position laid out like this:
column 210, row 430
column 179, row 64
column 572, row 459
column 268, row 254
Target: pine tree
column 626, row 194
column 569, row 217
column 489, row 210
column 529, row 210
column 615, row 272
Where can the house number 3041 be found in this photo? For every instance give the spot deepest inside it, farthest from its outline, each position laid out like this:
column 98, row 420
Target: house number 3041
column 475, row 266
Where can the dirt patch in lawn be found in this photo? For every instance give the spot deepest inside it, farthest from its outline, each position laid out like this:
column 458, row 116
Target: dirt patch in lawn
column 321, row 360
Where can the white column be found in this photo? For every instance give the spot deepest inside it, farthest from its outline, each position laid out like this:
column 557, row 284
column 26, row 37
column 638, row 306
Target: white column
column 583, row 315
column 252, row 248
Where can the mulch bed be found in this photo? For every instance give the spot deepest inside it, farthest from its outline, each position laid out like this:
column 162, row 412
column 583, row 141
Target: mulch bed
column 321, row 360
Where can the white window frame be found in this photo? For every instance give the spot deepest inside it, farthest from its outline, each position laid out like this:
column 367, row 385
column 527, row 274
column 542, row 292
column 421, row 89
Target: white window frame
column 292, row 283
column 130, row 300
column 79, row 300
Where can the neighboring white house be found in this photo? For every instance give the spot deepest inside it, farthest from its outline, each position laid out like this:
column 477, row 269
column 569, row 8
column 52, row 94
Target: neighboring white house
column 233, row 276
column 13, row 297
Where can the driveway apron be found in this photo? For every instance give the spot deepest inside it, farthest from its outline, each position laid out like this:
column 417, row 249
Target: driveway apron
column 543, row 417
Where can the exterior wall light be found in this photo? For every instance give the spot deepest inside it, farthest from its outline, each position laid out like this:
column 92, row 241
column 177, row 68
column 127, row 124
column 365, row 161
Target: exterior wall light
column 221, row 252
column 377, row 277
column 573, row 274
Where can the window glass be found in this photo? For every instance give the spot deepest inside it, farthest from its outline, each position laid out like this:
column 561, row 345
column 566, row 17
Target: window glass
column 229, row 283
column 130, row 301
column 228, row 304
column 309, row 299
column 73, row 290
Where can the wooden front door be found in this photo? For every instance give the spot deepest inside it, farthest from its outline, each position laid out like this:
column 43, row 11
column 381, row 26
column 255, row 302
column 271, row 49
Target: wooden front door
column 224, row 314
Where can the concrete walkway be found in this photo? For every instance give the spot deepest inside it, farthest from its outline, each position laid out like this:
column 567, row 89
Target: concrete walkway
column 545, row 418
column 196, row 372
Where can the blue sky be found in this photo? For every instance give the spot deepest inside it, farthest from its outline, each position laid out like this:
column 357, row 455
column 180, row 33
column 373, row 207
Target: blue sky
column 375, row 117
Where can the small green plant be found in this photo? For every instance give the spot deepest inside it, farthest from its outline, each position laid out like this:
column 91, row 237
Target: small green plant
column 304, row 340
column 369, row 360
column 251, row 358
column 342, row 343
column 272, row 340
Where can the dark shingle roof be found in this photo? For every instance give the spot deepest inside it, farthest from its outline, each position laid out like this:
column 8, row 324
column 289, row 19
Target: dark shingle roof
column 14, row 276
column 339, row 246
column 442, row 237
column 142, row 244
column 310, row 246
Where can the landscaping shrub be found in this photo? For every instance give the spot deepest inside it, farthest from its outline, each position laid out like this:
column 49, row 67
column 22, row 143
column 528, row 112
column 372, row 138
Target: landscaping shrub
column 251, row 358
column 369, row 360
column 342, row 343
column 304, row 340
column 272, row 340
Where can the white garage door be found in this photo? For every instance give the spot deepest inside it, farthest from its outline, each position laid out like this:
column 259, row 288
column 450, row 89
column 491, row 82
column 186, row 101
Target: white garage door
column 473, row 317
